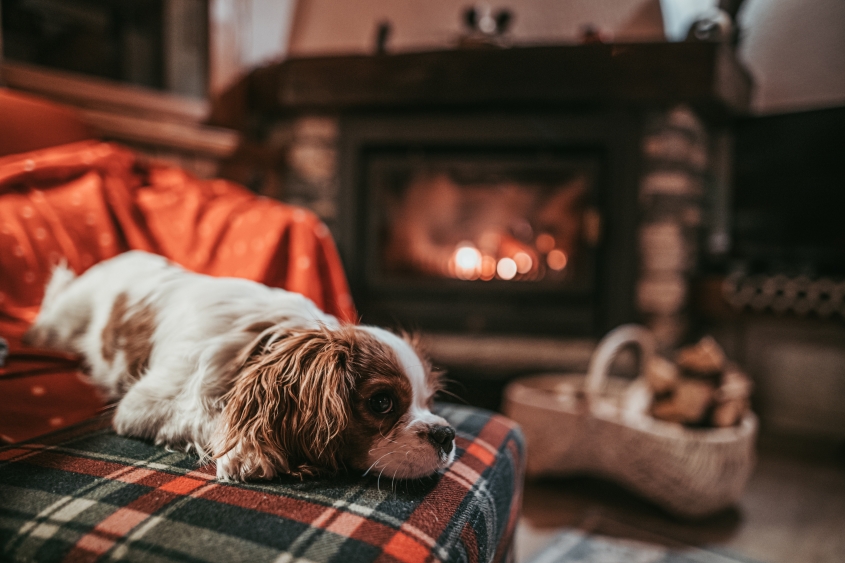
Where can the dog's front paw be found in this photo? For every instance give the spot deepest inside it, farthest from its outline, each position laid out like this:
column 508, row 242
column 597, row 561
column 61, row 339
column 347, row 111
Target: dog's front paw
column 122, row 424
column 227, row 468
column 238, row 465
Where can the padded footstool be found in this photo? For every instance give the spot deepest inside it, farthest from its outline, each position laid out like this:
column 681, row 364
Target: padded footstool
column 86, row 494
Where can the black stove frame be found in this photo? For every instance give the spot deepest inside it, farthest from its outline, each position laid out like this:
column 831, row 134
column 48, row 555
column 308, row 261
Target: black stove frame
column 448, row 305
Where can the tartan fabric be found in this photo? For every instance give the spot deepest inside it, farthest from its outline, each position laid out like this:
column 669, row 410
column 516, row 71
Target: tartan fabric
column 86, row 494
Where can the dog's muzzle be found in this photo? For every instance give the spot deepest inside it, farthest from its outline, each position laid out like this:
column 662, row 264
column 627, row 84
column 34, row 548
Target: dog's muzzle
column 441, row 436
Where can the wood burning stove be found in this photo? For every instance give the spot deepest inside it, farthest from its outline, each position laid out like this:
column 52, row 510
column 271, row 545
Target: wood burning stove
column 549, row 190
column 490, row 222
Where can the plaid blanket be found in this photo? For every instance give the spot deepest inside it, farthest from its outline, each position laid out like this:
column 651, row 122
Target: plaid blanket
column 86, row 494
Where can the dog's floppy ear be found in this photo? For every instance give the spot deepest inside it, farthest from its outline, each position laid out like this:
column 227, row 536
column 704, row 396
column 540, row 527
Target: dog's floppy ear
column 288, row 405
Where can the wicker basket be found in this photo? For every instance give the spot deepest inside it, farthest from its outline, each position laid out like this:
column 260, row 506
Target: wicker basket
column 599, row 425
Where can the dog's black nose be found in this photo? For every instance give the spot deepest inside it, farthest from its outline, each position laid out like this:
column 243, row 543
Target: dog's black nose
column 441, row 436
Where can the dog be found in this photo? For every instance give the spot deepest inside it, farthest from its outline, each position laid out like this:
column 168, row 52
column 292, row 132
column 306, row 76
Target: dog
column 256, row 378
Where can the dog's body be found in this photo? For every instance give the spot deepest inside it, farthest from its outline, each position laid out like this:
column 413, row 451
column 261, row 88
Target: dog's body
column 256, row 377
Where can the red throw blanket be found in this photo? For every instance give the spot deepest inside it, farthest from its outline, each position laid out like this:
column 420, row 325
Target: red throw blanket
column 88, row 201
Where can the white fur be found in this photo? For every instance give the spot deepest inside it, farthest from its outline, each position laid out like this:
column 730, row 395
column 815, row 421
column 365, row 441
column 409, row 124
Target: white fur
column 200, row 327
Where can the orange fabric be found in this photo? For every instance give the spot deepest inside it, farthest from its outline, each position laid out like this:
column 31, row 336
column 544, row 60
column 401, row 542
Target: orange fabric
column 88, row 201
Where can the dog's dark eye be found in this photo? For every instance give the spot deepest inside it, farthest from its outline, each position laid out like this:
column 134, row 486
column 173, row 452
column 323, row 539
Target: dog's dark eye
column 381, row 403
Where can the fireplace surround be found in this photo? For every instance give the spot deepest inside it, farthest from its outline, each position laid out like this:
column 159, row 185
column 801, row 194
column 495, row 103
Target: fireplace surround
column 390, row 149
column 436, row 208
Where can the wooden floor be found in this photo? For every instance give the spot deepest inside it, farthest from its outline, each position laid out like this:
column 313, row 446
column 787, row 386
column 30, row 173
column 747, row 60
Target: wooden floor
column 793, row 511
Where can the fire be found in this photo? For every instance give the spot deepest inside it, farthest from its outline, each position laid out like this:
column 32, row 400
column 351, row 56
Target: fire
column 467, row 262
column 556, row 260
column 509, row 260
column 545, row 243
column 523, row 262
column 506, row 268
column 485, row 230
column 488, row 268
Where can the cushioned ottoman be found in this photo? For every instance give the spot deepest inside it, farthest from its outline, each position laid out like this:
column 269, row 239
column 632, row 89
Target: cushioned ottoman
column 86, row 494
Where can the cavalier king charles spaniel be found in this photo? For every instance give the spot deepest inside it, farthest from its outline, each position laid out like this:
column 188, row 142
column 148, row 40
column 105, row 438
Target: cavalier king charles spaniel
column 257, row 378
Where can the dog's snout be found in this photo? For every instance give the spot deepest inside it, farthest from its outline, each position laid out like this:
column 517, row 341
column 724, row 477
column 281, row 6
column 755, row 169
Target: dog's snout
column 441, row 436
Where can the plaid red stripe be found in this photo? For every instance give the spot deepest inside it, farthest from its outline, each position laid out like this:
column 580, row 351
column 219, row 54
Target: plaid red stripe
column 85, row 494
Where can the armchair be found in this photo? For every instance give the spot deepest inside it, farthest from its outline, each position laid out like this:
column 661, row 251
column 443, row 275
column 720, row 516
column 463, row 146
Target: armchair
column 82, row 493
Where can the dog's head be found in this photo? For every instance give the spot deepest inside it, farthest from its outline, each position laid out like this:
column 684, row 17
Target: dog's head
column 315, row 401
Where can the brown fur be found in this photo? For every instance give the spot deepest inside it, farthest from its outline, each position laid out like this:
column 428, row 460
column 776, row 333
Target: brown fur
column 130, row 328
column 109, row 337
column 260, row 326
column 81, row 322
column 48, row 337
column 40, row 337
column 377, row 370
column 288, row 409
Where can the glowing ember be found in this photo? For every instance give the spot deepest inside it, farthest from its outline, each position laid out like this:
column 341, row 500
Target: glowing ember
column 467, row 260
column 523, row 262
column 556, row 260
column 480, row 221
column 545, row 243
column 506, row 268
column 488, row 268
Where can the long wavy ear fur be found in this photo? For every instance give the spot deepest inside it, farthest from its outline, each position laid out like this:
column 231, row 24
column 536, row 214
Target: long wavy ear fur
column 289, row 405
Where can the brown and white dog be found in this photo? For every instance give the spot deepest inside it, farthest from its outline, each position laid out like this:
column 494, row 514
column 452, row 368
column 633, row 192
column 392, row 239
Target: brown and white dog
column 257, row 378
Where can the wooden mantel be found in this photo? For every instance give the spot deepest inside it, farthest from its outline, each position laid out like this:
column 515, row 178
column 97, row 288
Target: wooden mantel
column 707, row 76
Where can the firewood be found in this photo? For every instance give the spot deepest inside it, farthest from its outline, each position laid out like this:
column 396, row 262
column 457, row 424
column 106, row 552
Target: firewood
column 729, row 413
column 705, row 358
column 687, row 404
column 662, row 375
column 735, row 385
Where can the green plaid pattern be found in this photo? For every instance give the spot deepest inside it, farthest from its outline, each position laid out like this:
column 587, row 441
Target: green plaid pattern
column 86, row 494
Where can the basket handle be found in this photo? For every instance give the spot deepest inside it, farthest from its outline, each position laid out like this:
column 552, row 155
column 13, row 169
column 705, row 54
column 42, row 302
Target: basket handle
column 610, row 346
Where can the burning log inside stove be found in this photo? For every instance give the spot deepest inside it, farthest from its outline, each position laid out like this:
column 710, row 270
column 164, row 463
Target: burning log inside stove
column 505, row 230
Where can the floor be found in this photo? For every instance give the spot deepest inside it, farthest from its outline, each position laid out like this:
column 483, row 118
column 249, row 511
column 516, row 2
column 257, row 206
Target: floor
column 793, row 511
